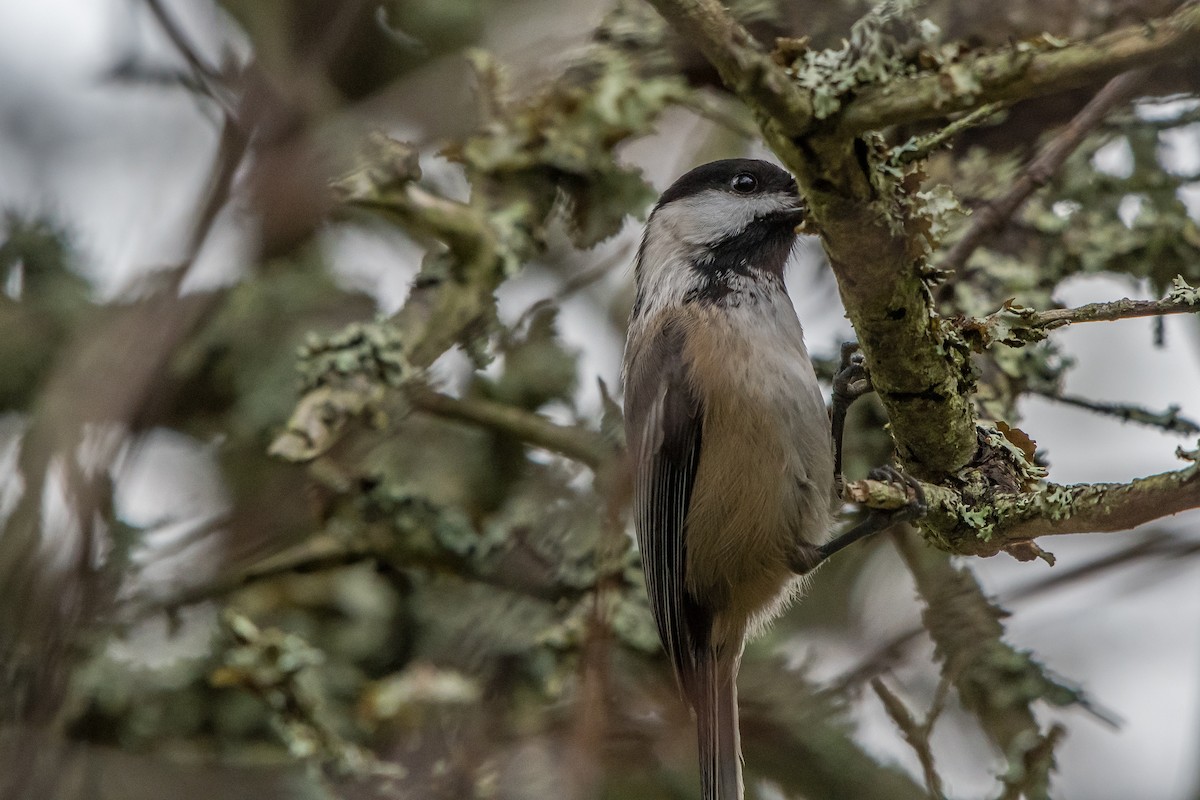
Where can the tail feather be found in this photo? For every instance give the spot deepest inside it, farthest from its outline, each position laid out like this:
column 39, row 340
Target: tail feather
column 715, row 700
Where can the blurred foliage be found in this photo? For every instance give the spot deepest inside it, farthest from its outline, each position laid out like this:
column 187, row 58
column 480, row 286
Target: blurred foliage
column 409, row 606
column 43, row 294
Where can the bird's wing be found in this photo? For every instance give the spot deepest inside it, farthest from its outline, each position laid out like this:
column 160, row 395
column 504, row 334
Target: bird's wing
column 664, row 420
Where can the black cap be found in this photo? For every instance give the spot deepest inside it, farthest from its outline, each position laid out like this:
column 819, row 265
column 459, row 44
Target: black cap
column 764, row 178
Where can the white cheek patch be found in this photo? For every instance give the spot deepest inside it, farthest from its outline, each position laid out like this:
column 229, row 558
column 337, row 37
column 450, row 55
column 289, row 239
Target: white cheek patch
column 679, row 234
column 716, row 214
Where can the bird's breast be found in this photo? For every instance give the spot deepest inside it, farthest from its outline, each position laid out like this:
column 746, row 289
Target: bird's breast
column 765, row 475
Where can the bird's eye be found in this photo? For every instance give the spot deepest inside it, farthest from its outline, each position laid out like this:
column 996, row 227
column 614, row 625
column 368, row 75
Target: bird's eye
column 744, row 183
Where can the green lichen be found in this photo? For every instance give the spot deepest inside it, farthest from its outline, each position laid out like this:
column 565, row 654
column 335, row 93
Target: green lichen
column 1182, row 292
column 1055, row 502
column 561, row 141
column 885, row 44
column 941, row 209
column 421, row 530
column 279, row 668
column 981, row 520
column 371, row 350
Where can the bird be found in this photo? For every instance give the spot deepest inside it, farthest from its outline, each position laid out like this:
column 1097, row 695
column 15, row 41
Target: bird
column 732, row 452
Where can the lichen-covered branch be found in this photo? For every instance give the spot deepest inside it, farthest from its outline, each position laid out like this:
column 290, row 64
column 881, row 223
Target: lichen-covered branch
column 1021, row 71
column 1024, row 71
column 1016, row 326
column 1008, row 521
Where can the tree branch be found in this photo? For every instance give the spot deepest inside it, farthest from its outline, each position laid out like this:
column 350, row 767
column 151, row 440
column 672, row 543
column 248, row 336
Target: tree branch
column 576, row 443
column 916, row 734
column 1017, row 326
column 1017, row 74
column 992, row 217
column 742, row 63
column 1114, row 310
column 1169, row 420
column 1008, row 521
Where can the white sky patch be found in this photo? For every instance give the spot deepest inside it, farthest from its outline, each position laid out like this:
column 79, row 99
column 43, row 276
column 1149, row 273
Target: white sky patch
column 375, row 259
column 1115, row 158
column 1128, row 208
column 1180, row 149
column 1190, row 196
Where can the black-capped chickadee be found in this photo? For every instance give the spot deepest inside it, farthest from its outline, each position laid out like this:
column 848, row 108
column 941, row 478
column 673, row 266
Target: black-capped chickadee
column 729, row 435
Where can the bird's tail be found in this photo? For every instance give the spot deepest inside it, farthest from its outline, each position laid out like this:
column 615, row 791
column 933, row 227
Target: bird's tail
column 715, row 701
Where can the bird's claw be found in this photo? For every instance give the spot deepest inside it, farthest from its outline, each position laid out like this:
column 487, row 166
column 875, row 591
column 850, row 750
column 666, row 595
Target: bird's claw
column 916, row 507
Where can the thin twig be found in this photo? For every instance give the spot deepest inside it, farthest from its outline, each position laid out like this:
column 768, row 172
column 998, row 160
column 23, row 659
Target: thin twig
column 1037, row 174
column 1016, row 326
column 316, row 555
column 1168, row 420
column 577, row 443
column 597, row 271
column 721, row 110
column 916, row 734
column 919, row 147
column 1114, row 310
column 110, row 373
column 206, row 77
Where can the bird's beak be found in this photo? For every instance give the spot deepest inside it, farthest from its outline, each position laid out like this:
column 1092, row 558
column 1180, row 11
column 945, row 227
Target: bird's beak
column 793, row 216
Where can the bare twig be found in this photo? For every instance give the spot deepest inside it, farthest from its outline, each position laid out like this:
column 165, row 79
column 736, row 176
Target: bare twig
column 920, row 147
column 915, row 733
column 1037, row 174
column 576, row 443
column 969, row 642
column 1168, row 420
column 106, row 380
column 1114, row 310
column 204, row 75
column 590, row 275
column 314, row 555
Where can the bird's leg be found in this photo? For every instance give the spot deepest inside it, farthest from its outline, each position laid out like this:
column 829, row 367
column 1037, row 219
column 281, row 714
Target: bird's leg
column 809, row 557
column 849, row 383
